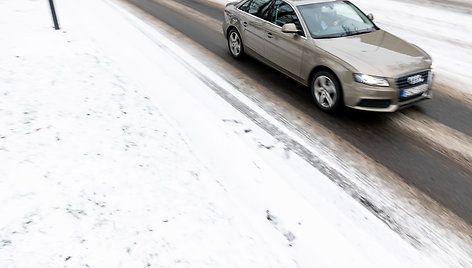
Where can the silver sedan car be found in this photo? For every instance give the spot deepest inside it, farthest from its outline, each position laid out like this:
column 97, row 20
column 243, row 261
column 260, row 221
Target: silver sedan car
column 334, row 49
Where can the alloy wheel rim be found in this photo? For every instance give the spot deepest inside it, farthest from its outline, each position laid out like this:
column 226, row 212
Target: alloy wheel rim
column 325, row 91
column 235, row 43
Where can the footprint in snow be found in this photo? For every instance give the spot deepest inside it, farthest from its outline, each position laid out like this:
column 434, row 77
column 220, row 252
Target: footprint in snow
column 279, row 227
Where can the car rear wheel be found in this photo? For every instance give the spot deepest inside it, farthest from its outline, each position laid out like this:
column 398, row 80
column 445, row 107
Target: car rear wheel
column 235, row 44
column 326, row 91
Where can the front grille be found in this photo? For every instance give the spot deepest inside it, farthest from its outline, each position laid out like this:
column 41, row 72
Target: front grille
column 403, row 83
column 374, row 103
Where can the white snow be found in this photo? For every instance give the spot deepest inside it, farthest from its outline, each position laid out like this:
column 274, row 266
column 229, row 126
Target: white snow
column 113, row 153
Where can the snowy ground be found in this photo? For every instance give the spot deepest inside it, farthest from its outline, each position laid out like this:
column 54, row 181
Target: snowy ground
column 113, row 154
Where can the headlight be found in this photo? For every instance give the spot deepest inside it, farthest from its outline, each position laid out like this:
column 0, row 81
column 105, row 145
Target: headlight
column 433, row 67
column 371, row 80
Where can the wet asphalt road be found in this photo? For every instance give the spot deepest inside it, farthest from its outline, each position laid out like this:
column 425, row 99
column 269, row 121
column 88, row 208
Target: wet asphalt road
column 442, row 178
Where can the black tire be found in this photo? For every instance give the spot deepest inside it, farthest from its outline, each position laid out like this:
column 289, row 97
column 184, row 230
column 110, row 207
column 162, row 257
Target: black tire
column 326, row 91
column 235, row 44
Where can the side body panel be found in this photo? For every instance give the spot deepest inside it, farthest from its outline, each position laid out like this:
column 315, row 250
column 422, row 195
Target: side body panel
column 253, row 33
column 285, row 49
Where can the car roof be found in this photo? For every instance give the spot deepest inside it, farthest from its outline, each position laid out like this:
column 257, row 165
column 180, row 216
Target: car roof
column 304, row 2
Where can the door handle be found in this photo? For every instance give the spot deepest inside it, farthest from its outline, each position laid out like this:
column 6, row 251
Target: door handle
column 269, row 35
column 244, row 23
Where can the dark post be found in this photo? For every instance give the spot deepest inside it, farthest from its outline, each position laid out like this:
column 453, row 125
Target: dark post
column 53, row 12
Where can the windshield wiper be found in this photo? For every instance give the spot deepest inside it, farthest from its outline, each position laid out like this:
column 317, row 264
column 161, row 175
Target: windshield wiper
column 365, row 31
column 343, row 34
column 350, row 33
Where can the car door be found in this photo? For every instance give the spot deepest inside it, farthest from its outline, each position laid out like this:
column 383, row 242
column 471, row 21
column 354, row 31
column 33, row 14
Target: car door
column 284, row 49
column 254, row 18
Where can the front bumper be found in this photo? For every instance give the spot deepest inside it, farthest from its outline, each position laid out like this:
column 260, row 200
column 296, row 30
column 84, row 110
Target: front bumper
column 380, row 99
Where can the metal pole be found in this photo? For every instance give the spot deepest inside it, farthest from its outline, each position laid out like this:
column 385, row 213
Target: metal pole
column 54, row 17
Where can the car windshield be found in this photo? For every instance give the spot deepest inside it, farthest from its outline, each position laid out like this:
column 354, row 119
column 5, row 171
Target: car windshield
column 335, row 19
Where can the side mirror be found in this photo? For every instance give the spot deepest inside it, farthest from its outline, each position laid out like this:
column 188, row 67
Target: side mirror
column 370, row 16
column 290, row 28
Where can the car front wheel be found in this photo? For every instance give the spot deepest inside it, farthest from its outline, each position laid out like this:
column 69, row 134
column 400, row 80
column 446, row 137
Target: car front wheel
column 326, row 91
column 235, row 44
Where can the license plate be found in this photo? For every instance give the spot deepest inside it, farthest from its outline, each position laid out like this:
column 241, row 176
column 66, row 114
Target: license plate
column 414, row 90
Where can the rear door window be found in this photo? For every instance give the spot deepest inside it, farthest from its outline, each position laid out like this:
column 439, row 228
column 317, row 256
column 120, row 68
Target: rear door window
column 260, row 8
column 245, row 6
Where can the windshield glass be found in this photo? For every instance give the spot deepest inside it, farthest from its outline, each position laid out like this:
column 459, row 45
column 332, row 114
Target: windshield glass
column 335, row 19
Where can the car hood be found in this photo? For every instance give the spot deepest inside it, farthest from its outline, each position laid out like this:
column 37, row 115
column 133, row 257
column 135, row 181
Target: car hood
column 377, row 53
